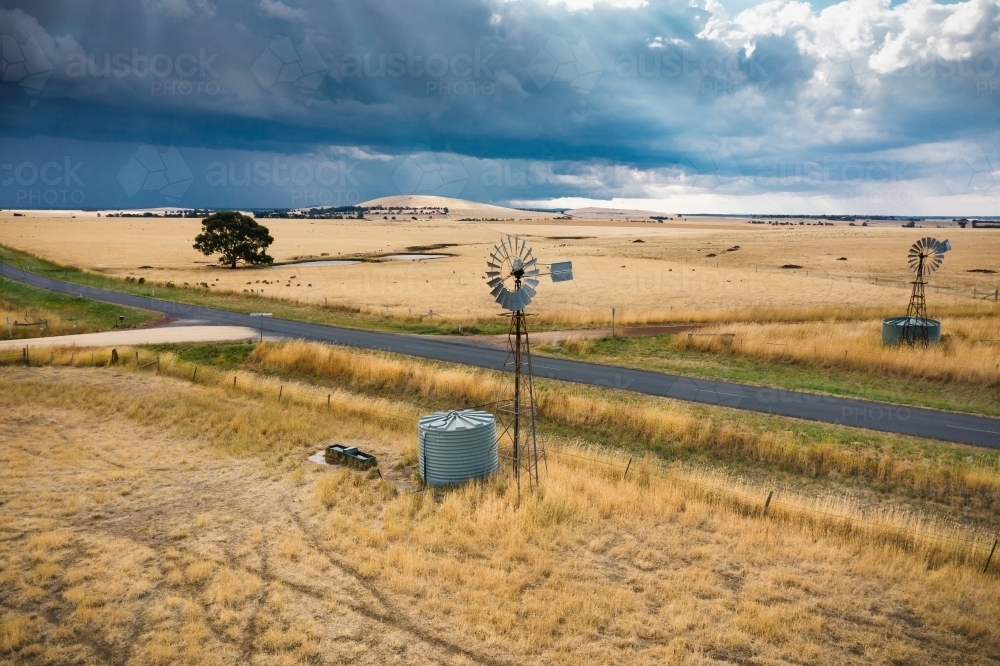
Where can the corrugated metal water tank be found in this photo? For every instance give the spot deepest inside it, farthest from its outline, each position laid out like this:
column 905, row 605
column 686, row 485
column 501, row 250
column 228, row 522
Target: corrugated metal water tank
column 902, row 329
column 456, row 446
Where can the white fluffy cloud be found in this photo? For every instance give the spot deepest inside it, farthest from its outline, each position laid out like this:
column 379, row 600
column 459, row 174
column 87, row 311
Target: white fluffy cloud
column 873, row 33
column 179, row 9
column 278, row 9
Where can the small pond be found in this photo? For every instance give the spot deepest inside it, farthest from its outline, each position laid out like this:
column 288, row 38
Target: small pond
column 323, row 262
column 414, row 257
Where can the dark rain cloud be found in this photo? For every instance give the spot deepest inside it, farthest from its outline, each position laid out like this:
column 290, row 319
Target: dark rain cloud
column 600, row 102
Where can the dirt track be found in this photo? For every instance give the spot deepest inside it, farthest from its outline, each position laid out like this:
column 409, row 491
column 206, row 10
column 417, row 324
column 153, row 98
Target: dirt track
column 141, row 336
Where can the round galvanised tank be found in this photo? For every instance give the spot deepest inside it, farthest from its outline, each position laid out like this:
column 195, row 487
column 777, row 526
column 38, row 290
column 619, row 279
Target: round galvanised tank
column 909, row 329
column 456, row 446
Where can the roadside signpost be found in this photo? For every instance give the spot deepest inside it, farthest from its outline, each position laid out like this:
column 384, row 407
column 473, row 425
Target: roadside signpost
column 261, row 315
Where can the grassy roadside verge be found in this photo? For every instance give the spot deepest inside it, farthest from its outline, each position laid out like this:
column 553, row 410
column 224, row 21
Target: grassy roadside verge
column 645, row 353
column 956, row 481
column 64, row 315
column 333, row 315
column 660, row 354
column 355, row 317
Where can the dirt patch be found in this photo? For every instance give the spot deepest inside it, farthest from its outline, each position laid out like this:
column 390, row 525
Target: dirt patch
column 139, row 336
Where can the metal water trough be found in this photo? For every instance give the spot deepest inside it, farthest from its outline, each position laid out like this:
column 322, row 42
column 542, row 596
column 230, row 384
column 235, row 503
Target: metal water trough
column 349, row 455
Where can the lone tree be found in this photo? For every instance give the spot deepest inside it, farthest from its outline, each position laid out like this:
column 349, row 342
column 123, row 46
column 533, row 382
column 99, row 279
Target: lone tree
column 236, row 236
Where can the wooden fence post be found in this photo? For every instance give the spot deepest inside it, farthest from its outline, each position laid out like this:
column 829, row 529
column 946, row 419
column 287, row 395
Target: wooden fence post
column 767, row 502
column 328, row 401
column 627, row 467
column 992, row 550
column 195, row 373
column 280, row 389
column 234, row 381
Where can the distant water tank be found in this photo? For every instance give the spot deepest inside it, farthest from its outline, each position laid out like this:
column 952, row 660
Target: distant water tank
column 455, row 446
column 894, row 327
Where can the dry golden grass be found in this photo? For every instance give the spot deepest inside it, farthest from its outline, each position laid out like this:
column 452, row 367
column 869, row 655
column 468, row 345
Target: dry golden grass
column 668, row 277
column 373, row 388
column 55, row 323
column 342, row 567
column 969, row 352
column 646, row 422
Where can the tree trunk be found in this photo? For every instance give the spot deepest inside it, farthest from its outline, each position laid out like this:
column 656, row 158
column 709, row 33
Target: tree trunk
column 233, row 263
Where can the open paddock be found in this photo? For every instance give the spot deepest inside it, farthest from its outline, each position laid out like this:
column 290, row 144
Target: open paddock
column 669, row 276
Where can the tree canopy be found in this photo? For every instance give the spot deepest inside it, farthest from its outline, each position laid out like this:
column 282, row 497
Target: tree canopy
column 236, row 237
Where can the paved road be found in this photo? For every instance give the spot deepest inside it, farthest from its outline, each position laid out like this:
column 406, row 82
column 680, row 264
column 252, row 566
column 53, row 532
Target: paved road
column 930, row 423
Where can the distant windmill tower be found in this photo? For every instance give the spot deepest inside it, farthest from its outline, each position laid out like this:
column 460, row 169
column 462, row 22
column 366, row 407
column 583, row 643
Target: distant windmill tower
column 925, row 257
column 512, row 278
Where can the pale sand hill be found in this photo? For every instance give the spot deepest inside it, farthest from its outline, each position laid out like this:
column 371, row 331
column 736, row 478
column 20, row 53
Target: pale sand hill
column 597, row 213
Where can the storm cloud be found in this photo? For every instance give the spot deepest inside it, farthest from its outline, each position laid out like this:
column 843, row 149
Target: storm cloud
column 859, row 106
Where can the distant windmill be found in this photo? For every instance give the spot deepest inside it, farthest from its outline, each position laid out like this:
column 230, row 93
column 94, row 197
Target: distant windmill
column 512, row 278
column 925, row 257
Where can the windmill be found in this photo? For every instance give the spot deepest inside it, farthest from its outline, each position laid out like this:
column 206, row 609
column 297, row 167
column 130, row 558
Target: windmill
column 512, row 275
column 925, row 257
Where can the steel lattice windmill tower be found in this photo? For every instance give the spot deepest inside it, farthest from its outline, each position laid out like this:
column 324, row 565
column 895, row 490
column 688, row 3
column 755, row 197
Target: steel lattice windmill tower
column 513, row 277
column 925, row 257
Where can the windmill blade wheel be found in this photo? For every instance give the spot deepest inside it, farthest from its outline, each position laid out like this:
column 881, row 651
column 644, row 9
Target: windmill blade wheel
column 927, row 251
column 512, row 274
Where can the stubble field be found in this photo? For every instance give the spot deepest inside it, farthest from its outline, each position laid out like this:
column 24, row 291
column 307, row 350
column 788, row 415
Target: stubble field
column 162, row 520
column 668, row 276
column 140, row 527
